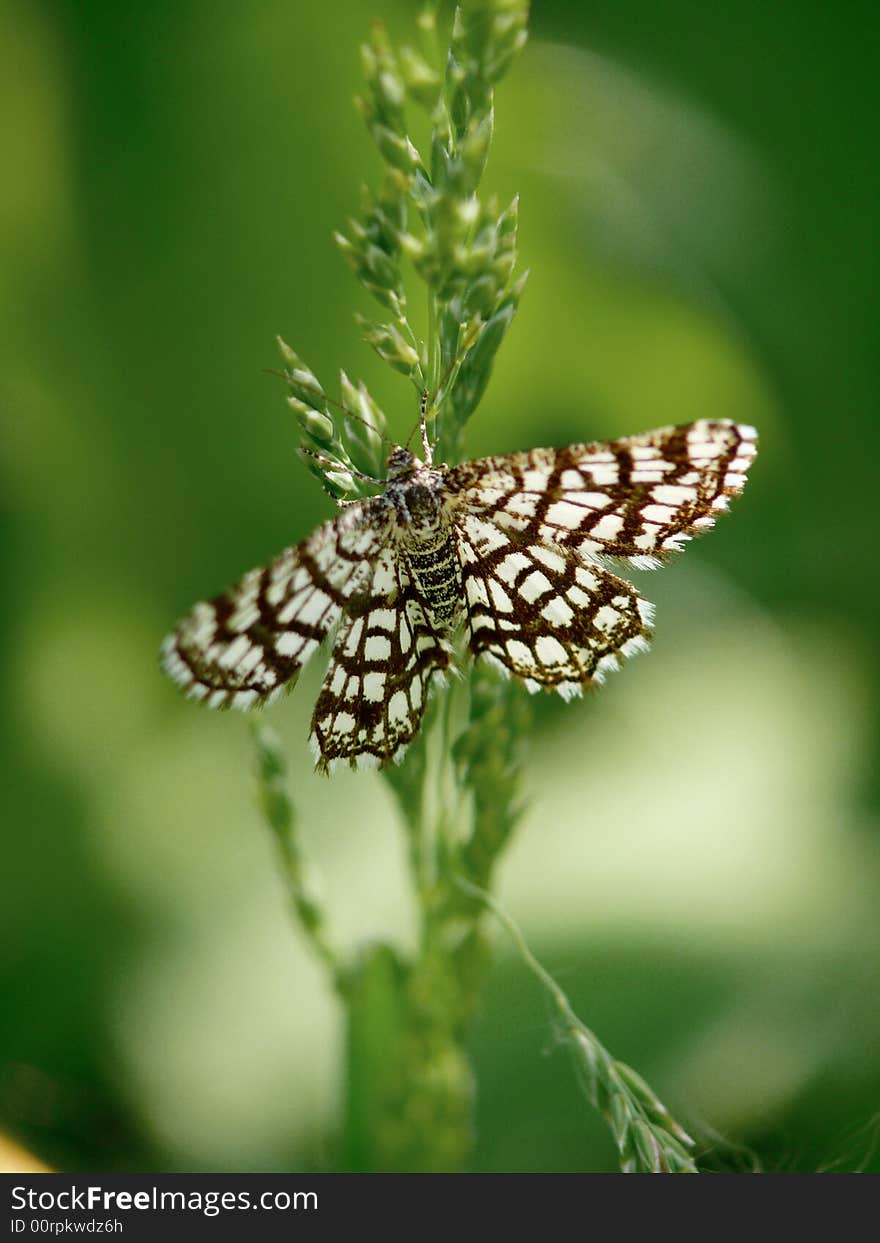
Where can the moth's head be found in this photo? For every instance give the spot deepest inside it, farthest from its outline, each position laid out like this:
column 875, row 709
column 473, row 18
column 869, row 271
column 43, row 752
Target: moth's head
column 400, row 463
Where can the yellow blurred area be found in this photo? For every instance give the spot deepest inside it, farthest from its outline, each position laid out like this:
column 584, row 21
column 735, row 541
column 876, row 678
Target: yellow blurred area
column 16, row 1160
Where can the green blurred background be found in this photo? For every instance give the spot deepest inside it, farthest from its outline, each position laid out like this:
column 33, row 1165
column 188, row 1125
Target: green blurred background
column 700, row 863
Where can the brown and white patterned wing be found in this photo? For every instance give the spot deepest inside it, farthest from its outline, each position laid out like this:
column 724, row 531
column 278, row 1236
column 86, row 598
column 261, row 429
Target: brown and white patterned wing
column 386, row 654
column 639, row 498
column 543, row 614
column 244, row 647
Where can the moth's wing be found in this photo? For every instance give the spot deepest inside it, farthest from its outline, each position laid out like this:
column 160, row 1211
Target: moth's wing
column 638, row 498
column 542, row 613
column 385, row 655
column 244, row 647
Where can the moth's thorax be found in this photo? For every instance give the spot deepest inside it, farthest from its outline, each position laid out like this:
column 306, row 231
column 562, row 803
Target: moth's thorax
column 416, row 492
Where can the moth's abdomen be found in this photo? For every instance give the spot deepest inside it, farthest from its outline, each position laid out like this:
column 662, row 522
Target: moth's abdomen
column 436, row 572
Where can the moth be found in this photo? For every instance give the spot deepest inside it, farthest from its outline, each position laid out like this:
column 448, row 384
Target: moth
column 509, row 554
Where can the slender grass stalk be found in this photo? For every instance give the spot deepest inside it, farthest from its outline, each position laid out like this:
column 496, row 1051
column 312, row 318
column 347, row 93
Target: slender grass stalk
column 302, row 888
column 647, row 1137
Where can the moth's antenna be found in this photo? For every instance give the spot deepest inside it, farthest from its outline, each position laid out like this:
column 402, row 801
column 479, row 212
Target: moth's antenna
column 414, row 426
column 323, row 460
column 422, row 425
column 423, row 414
column 349, row 414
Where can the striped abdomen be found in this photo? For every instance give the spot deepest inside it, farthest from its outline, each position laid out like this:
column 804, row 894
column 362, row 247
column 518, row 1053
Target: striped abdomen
column 436, row 571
